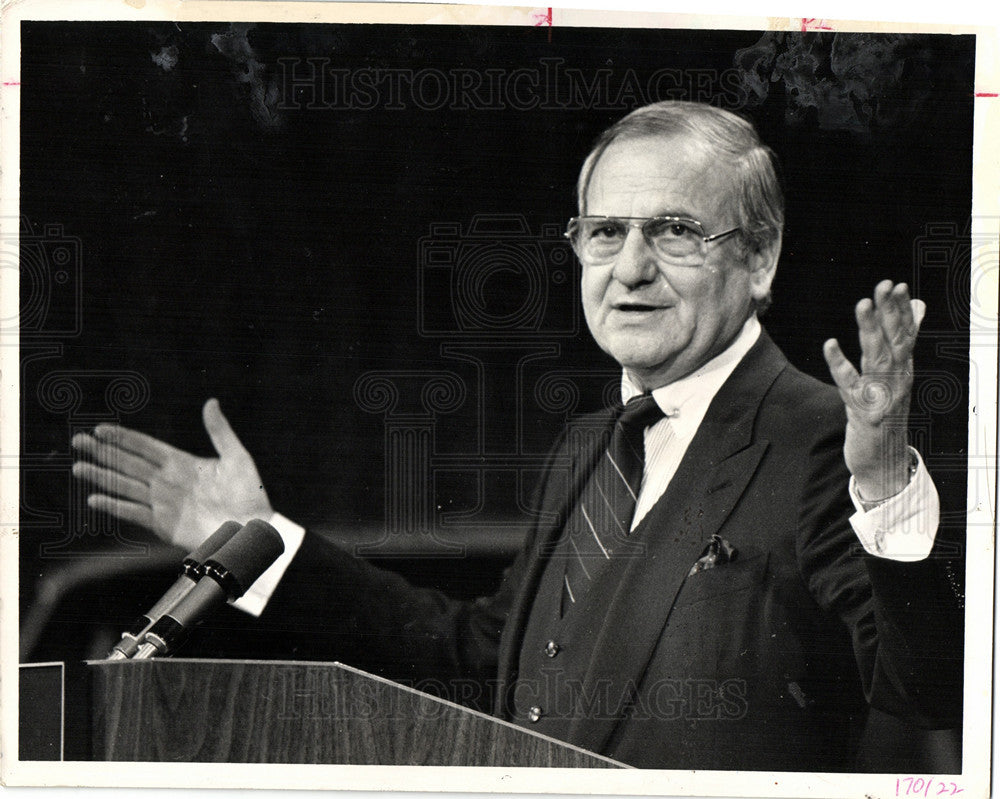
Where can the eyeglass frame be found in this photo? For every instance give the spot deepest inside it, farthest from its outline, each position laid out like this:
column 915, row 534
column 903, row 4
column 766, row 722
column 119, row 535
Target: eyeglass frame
column 640, row 222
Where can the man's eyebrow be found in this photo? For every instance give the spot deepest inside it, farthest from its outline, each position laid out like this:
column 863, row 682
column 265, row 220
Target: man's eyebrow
column 676, row 212
column 669, row 212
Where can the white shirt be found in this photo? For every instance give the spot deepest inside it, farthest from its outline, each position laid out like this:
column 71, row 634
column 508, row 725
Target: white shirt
column 901, row 528
column 684, row 403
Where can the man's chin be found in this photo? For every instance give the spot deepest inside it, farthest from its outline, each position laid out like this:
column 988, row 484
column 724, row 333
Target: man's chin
column 646, row 371
column 645, row 353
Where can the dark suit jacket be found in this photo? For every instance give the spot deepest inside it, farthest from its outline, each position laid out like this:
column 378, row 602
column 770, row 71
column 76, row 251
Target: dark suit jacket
column 766, row 662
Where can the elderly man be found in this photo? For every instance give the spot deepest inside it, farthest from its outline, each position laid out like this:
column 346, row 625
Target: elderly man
column 720, row 580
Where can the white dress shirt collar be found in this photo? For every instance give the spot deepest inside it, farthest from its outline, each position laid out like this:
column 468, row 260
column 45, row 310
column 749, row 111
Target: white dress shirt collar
column 686, row 401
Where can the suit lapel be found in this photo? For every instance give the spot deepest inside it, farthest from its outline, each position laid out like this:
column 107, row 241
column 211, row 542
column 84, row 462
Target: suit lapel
column 636, row 596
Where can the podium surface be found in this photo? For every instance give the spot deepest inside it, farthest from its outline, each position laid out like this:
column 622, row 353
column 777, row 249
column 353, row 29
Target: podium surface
column 239, row 711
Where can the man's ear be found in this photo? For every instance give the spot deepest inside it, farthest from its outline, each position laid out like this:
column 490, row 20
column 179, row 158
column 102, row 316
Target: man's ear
column 763, row 264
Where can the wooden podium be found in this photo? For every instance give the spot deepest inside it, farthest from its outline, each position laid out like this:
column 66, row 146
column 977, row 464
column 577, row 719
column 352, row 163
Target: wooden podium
column 239, row 711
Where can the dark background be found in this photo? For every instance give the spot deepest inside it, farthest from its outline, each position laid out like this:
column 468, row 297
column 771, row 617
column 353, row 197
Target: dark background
column 192, row 228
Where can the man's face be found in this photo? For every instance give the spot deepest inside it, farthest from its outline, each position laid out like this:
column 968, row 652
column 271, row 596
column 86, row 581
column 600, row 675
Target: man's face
column 662, row 321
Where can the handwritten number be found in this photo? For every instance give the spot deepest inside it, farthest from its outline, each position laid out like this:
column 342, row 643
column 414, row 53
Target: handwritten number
column 912, row 785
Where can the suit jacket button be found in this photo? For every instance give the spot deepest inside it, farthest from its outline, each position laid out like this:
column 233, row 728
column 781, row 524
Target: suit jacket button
column 534, row 714
column 552, row 649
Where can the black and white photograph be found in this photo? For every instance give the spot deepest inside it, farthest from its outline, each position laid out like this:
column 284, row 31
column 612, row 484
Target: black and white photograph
column 533, row 391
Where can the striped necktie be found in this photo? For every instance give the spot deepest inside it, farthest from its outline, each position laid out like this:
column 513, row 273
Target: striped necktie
column 603, row 516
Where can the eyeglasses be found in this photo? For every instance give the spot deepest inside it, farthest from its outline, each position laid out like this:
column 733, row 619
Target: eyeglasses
column 598, row 239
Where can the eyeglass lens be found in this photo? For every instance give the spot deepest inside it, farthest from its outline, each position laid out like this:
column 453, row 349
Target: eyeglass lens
column 598, row 239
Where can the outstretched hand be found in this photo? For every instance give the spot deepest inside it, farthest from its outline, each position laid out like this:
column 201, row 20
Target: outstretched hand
column 180, row 497
column 878, row 398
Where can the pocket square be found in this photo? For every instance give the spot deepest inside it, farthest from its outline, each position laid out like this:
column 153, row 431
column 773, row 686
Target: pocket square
column 717, row 552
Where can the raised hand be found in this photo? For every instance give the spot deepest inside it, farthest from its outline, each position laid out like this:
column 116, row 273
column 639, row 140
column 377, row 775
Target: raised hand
column 878, row 399
column 180, row 497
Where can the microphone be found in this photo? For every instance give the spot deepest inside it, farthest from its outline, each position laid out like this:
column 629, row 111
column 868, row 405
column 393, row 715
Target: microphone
column 227, row 576
column 191, row 571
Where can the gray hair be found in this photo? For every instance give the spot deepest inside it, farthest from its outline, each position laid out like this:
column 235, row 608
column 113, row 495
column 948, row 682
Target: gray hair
column 761, row 211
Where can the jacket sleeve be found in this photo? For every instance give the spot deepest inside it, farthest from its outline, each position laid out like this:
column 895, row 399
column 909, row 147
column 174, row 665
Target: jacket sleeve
column 905, row 619
column 331, row 605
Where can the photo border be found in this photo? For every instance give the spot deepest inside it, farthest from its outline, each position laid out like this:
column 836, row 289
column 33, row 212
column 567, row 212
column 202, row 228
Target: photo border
column 977, row 738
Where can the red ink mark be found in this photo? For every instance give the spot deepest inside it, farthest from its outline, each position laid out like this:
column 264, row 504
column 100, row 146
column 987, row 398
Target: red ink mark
column 917, row 785
column 987, row 94
column 12, row 83
column 544, row 19
column 813, row 24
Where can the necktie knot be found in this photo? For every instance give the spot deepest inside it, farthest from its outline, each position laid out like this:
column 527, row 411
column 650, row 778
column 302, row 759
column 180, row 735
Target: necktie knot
column 640, row 412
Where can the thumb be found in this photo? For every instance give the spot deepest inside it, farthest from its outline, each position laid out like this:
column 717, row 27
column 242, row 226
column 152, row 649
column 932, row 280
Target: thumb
column 919, row 310
column 223, row 438
column 841, row 370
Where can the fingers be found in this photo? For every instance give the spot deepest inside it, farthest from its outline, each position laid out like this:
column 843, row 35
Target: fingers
column 887, row 326
column 898, row 321
column 152, row 449
column 841, row 370
column 123, row 509
column 223, row 438
column 114, row 457
column 873, row 344
column 112, row 482
column 892, row 304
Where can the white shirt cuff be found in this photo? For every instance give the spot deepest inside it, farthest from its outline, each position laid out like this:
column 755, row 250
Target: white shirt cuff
column 256, row 598
column 904, row 526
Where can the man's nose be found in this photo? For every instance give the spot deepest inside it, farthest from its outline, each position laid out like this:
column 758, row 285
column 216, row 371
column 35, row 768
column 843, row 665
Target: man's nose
column 636, row 263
